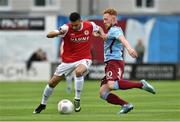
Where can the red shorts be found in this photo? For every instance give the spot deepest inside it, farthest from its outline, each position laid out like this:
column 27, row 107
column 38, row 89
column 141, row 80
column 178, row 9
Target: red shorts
column 114, row 70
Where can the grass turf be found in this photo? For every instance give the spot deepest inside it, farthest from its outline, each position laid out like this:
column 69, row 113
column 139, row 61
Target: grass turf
column 18, row 100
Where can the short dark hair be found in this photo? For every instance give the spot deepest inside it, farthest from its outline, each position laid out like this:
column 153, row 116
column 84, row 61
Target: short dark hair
column 74, row 17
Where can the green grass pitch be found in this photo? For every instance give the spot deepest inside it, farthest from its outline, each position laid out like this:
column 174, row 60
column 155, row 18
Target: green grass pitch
column 18, row 100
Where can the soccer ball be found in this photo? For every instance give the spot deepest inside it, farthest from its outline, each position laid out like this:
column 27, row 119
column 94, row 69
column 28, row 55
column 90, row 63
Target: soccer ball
column 65, row 106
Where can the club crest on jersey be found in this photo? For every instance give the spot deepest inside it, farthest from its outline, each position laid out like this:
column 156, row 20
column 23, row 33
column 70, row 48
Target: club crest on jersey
column 86, row 32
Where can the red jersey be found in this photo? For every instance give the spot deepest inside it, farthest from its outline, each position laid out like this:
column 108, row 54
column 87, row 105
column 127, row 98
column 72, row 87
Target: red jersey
column 77, row 43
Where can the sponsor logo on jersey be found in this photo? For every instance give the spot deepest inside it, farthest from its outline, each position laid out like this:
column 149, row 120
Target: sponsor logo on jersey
column 80, row 39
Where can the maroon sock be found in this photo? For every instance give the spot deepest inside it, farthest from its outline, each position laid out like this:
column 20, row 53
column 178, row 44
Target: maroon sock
column 123, row 84
column 114, row 99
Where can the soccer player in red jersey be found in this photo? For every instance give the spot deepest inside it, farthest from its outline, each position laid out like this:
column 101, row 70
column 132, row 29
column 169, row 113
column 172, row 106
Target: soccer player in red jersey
column 76, row 56
column 113, row 57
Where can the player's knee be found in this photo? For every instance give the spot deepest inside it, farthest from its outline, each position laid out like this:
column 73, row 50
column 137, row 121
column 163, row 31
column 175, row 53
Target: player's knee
column 53, row 83
column 103, row 95
column 78, row 73
column 110, row 85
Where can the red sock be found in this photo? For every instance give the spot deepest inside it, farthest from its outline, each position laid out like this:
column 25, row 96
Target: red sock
column 123, row 84
column 114, row 99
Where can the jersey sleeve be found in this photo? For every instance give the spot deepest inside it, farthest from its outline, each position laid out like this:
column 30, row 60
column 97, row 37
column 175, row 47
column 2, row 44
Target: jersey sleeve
column 115, row 32
column 95, row 27
column 65, row 28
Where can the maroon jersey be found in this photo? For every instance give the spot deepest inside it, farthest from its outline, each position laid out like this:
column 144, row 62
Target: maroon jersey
column 77, row 43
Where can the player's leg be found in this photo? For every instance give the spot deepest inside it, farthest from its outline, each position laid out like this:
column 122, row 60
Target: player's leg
column 113, row 71
column 114, row 99
column 80, row 71
column 69, row 79
column 78, row 85
column 106, row 94
column 117, row 69
column 122, row 84
column 125, row 84
column 47, row 92
column 62, row 69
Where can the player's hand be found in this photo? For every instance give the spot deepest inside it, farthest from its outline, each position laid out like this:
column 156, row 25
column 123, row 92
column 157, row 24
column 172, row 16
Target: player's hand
column 104, row 36
column 96, row 34
column 133, row 53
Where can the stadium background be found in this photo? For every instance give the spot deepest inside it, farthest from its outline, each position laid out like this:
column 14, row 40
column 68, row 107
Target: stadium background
column 24, row 25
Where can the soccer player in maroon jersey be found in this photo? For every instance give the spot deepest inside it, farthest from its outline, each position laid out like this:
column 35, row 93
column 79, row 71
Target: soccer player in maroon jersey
column 113, row 57
column 76, row 56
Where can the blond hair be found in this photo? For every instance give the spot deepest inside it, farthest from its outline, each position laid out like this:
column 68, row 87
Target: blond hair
column 110, row 11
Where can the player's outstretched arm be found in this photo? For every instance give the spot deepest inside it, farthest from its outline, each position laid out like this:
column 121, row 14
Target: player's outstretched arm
column 131, row 51
column 62, row 31
column 54, row 33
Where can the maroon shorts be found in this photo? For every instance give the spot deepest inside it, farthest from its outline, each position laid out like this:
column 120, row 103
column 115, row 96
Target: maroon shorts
column 114, row 70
